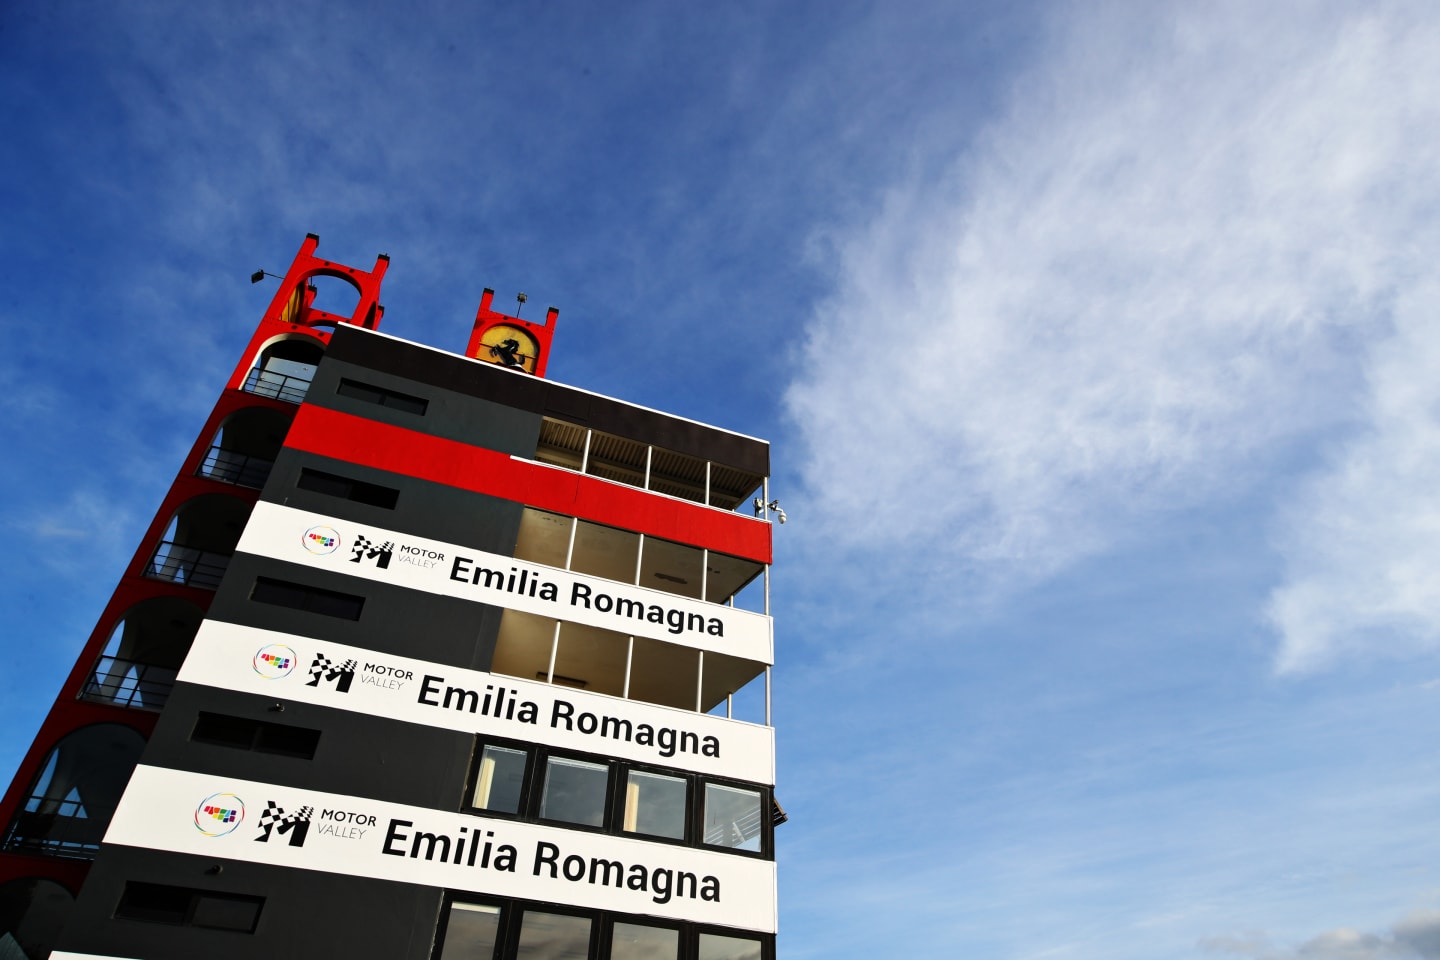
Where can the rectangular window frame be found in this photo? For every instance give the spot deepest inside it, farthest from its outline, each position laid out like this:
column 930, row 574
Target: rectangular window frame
column 607, row 803
column 602, row 927
column 382, row 396
column 337, row 485
column 472, row 780
column 622, row 779
column 767, row 828
column 194, row 900
column 292, row 595
column 532, row 788
column 262, row 735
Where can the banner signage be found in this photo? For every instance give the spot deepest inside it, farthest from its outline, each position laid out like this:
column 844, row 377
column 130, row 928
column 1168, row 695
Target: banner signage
column 359, row 550
column 284, row 666
column 209, row 816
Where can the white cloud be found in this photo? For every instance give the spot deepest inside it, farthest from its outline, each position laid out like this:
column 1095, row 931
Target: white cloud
column 1360, row 538
column 1191, row 243
column 1414, row 937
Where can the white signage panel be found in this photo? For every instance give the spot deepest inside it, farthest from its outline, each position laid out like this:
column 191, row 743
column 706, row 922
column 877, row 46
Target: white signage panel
column 285, row 666
column 209, row 816
column 360, row 550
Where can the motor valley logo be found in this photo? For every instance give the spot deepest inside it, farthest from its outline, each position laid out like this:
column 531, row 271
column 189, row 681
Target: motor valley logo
column 276, row 820
column 341, row 675
column 321, row 540
column 219, row 814
column 274, row 661
column 366, row 549
column 383, row 554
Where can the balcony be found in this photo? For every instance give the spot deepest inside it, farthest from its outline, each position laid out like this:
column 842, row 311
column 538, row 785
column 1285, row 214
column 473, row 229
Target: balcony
column 47, row 827
column 69, row 805
column 227, row 466
column 282, row 386
column 146, row 647
column 178, row 563
column 285, row 368
column 129, row 683
column 648, row 467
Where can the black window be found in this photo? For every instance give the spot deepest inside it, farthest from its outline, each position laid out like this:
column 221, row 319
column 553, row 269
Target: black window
column 654, row 804
column 504, row 929
column 734, row 817
column 188, row 907
column 575, row 791
column 472, row 931
column 261, row 736
column 370, row 393
column 334, row 485
column 553, row 936
column 643, row 941
column 500, row 781
column 535, row 784
column 298, row 596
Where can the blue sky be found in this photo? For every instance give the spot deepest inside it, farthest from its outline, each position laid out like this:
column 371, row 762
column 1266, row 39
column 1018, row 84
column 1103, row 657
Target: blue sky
column 1095, row 341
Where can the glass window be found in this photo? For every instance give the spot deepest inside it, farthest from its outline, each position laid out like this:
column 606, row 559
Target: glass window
column 634, row 941
column 553, row 936
column 715, row 947
column 654, row 805
column 732, row 817
column 575, row 791
column 471, row 931
column 502, row 774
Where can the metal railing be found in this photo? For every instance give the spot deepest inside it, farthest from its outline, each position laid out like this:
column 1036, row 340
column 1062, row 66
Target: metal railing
column 227, row 466
column 178, row 563
column 54, row 827
column 267, row 383
column 129, row 683
column 735, row 833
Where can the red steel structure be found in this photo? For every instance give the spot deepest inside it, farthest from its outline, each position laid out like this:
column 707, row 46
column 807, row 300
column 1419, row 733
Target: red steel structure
column 105, row 690
column 501, row 464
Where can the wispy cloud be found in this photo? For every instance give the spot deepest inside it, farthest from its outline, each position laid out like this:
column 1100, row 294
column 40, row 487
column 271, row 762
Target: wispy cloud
column 1191, row 247
column 1415, row 937
column 1359, row 538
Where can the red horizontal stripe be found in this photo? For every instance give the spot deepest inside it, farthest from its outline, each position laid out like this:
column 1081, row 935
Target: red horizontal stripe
column 343, row 436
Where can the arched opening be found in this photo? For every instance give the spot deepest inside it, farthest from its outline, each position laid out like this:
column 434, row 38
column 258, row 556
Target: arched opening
column 70, row 804
column 337, row 295
column 244, row 448
column 32, row 911
column 285, row 368
column 198, row 543
column 146, row 648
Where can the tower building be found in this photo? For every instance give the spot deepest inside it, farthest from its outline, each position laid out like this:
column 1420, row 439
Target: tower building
column 423, row 656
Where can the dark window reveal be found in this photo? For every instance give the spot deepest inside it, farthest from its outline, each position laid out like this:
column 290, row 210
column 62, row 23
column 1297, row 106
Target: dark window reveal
column 385, row 398
column 188, row 907
column 298, row 596
column 521, row 930
column 359, row 491
column 261, row 736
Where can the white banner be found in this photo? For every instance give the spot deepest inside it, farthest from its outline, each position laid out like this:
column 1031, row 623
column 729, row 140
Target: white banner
column 233, row 819
column 359, row 550
column 288, row 667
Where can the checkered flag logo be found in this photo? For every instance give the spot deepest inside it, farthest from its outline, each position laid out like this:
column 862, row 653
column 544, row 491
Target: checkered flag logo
column 365, row 548
column 274, row 819
column 323, row 668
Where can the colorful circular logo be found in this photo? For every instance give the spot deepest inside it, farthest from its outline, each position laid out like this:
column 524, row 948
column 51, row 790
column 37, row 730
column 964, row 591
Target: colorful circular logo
column 321, row 540
column 219, row 814
column 274, row 661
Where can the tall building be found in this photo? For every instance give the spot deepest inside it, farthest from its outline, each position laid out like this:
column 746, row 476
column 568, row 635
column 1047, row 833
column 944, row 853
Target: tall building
column 423, row 656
